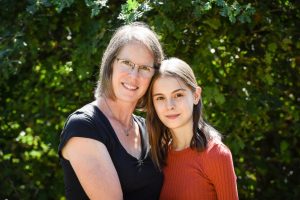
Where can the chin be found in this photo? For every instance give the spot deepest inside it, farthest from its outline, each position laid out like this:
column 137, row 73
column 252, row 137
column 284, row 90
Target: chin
column 170, row 126
column 128, row 98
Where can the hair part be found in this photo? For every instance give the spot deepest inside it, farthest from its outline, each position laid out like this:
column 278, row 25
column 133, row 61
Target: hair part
column 159, row 135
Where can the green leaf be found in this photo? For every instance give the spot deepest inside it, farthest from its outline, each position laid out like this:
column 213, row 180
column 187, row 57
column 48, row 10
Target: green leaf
column 213, row 23
column 284, row 145
column 132, row 5
column 213, row 94
column 272, row 47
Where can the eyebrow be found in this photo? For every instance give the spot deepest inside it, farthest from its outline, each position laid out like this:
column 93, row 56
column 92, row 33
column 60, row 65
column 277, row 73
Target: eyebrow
column 180, row 89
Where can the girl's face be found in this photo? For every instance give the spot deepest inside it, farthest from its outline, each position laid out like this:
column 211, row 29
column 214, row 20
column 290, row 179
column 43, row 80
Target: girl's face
column 132, row 72
column 173, row 102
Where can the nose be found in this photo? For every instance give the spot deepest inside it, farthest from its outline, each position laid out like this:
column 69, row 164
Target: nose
column 134, row 70
column 170, row 104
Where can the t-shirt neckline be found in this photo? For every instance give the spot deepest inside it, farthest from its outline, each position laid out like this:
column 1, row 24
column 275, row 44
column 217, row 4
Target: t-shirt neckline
column 115, row 134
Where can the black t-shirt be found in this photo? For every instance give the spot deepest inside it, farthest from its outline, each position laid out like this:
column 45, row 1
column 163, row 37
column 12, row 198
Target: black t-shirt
column 139, row 178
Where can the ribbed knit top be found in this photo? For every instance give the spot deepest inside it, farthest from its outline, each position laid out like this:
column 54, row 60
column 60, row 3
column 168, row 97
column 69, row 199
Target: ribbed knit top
column 207, row 175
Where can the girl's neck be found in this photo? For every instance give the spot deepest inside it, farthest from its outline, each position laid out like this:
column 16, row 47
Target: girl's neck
column 181, row 139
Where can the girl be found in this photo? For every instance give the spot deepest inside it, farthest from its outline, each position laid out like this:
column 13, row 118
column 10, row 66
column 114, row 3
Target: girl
column 195, row 162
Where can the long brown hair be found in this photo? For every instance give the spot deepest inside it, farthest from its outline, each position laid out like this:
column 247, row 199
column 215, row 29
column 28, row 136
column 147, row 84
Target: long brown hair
column 134, row 32
column 159, row 135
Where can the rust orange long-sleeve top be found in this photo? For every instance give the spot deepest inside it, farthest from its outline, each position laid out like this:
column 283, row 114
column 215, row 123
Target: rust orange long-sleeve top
column 207, row 175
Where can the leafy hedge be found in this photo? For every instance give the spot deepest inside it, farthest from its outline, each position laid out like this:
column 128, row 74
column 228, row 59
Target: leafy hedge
column 245, row 54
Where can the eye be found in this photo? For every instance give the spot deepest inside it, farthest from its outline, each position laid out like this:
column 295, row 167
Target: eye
column 159, row 98
column 145, row 68
column 178, row 95
column 127, row 63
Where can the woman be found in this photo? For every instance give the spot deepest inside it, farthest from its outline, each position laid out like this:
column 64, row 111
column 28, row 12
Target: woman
column 195, row 163
column 104, row 147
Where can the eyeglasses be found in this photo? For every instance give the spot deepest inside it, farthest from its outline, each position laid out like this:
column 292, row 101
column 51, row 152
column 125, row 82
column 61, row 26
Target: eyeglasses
column 143, row 70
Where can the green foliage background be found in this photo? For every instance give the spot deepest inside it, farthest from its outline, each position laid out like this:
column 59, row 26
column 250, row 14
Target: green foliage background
column 245, row 54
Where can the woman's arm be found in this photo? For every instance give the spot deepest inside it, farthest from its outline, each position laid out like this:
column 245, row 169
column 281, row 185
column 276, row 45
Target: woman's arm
column 94, row 168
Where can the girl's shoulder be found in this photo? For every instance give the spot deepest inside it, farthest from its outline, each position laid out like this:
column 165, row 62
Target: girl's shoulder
column 216, row 149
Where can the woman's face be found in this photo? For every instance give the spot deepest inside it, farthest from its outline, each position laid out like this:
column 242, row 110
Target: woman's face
column 132, row 72
column 173, row 102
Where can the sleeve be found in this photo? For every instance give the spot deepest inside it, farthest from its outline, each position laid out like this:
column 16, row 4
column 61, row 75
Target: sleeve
column 79, row 125
column 220, row 170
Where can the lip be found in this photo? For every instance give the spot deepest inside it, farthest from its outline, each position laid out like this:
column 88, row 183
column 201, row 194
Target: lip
column 130, row 87
column 173, row 116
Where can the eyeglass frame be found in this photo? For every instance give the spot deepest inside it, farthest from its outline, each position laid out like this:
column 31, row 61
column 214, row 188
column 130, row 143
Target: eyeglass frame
column 133, row 66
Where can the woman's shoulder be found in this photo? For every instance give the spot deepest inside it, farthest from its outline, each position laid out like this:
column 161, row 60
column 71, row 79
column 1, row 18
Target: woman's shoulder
column 88, row 110
column 87, row 113
column 84, row 122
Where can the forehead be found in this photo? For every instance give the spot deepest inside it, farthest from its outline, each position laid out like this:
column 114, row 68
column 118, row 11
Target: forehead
column 168, row 84
column 137, row 53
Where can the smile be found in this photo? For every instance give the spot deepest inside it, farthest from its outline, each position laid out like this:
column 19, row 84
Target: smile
column 130, row 87
column 174, row 116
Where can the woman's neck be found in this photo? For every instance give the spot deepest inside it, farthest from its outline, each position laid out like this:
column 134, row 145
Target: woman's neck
column 120, row 111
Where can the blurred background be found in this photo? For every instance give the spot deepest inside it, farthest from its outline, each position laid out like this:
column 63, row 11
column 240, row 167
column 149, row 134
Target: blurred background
column 246, row 56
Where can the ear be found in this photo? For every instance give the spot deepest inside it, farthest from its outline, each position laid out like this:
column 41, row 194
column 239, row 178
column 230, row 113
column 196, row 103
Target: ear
column 197, row 95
